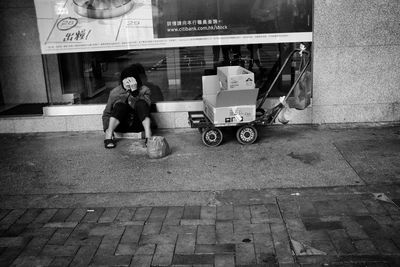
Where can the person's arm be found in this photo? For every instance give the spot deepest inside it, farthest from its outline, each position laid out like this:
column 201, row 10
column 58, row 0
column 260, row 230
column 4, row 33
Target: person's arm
column 145, row 94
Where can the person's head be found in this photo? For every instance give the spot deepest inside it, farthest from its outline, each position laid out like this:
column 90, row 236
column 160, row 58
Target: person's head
column 127, row 73
column 140, row 69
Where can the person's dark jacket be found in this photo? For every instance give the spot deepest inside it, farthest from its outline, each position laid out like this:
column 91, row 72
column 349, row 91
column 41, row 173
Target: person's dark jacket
column 119, row 94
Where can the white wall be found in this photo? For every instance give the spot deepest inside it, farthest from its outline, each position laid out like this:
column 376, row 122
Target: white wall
column 356, row 61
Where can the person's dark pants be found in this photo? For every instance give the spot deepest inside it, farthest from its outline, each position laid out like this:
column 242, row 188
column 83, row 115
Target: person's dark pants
column 130, row 120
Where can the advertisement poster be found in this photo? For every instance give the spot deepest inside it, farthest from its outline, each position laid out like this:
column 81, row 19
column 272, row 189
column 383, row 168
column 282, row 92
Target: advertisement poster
column 67, row 26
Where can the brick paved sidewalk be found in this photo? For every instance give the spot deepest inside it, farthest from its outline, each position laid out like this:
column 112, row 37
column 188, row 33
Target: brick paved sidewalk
column 241, row 229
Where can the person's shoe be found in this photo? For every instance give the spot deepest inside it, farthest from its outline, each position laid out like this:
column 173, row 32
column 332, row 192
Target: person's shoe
column 109, row 143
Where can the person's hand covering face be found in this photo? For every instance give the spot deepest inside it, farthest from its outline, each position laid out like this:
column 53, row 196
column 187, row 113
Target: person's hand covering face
column 130, row 84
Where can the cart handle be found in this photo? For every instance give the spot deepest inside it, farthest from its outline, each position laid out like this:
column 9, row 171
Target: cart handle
column 301, row 51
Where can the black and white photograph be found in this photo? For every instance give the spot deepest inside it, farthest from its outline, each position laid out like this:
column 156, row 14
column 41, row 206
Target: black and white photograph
column 212, row 133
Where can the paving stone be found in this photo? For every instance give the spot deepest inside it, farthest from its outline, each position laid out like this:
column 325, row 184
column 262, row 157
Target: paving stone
column 34, row 246
column 163, row 255
column 242, row 227
column 241, row 212
column 179, row 229
column 61, row 262
column 281, row 243
column 174, row 213
column 152, row 228
column 145, row 249
column 83, row 239
column 12, row 241
column 107, row 229
column 261, row 238
column 76, row 215
column 108, row 246
column 386, row 246
column 185, row 244
column 37, row 230
column 198, row 222
column 28, row 216
column 192, row 259
column 28, row 261
column 215, row 248
column 342, row 242
column 318, row 225
column 259, row 212
column 224, row 231
column 208, row 213
column 142, row 214
column 369, row 225
column 171, row 221
column 92, row 215
column 60, row 236
column 61, row 215
column 191, row 213
column 109, row 215
column 224, row 260
column 84, row 256
column 3, row 213
column 10, row 218
column 45, row 216
column 206, row 234
column 126, row 249
column 267, row 259
column 324, row 246
column 141, row 261
column 273, row 211
column 264, row 249
column 157, row 214
column 391, row 208
column 354, row 230
column 125, row 214
column 328, row 208
column 245, row 254
column 9, row 255
column 15, row 230
column 365, row 246
column 108, row 260
column 59, row 250
column 61, row 224
column 356, row 207
column 307, row 209
column 289, row 208
column 132, row 234
column 168, row 238
column 374, row 206
column 129, row 223
column 225, row 212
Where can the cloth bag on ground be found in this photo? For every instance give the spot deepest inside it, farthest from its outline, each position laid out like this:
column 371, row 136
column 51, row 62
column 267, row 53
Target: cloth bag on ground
column 157, row 147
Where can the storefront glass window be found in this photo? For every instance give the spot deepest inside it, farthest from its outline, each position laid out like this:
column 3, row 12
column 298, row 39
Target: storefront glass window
column 173, row 74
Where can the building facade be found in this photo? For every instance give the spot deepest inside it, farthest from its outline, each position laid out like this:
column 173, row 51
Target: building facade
column 355, row 67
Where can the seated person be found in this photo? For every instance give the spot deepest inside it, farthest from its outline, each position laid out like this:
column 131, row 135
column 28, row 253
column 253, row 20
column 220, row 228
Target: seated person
column 128, row 107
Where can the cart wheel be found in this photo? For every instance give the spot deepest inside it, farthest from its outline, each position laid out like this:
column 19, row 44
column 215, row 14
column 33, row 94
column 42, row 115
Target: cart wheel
column 212, row 136
column 246, row 135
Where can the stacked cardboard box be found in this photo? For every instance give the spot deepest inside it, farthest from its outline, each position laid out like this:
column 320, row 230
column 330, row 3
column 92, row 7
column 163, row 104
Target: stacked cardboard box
column 230, row 96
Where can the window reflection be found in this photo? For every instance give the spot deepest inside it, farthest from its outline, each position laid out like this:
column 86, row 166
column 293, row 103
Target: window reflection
column 174, row 73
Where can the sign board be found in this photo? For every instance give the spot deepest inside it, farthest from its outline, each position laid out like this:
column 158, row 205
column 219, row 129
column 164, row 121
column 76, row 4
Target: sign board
column 67, row 26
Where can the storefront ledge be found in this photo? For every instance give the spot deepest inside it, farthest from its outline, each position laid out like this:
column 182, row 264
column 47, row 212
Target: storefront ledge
column 96, row 109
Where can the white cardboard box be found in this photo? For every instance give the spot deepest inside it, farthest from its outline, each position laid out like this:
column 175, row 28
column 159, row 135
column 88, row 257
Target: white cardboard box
column 235, row 78
column 228, row 106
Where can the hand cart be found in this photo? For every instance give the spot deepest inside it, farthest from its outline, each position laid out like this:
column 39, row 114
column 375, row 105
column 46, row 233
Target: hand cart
column 246, row 133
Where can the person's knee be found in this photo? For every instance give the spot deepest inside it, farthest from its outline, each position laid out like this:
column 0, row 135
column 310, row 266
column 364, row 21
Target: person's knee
column 142, row 110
